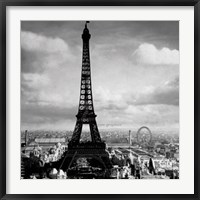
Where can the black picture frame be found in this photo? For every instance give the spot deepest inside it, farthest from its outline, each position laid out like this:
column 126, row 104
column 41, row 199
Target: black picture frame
column 4, row 4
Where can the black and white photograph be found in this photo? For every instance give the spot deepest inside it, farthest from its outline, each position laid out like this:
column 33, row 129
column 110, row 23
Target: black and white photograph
column 99, row 100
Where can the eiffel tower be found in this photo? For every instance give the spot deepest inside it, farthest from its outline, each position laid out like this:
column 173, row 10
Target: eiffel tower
column 96, row 148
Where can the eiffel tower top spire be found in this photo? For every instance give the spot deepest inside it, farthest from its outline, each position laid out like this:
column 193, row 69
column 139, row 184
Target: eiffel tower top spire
column 86, row 34
column 87, row 22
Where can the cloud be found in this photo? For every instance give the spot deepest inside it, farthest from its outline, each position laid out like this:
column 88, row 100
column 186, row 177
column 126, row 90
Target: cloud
column 33, row 87
column 39, row 52
column 148, row 54
column 44, row 89
column 35, row 42
column 154, row 106
column 167, row 94
column 51, row 72
column 104, row 99
column 34, row 114
column 135, row 116
column 153, row 114
column 35, row 80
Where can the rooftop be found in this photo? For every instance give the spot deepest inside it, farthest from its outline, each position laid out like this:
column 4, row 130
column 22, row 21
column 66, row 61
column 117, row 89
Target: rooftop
column 50, row 140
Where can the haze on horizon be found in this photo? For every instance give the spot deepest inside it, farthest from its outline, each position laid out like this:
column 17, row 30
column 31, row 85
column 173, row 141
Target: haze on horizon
column 135, row 74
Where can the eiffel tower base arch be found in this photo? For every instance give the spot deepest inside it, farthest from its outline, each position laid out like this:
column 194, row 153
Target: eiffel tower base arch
column 99, row 163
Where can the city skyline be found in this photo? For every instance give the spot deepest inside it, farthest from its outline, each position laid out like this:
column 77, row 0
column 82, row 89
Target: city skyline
column 134, row 66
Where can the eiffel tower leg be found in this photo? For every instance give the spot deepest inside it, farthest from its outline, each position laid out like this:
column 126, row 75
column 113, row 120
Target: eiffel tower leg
column 94, row 132
column 77, row 132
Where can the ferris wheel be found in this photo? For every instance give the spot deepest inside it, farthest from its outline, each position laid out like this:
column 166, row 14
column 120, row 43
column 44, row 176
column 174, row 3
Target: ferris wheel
column 144, row 135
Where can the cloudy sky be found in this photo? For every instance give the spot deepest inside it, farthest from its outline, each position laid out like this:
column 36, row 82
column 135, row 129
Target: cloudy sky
column 135, row 74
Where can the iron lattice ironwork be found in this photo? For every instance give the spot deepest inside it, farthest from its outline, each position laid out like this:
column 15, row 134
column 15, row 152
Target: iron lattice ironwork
column 96, row 148
column 86, row 113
